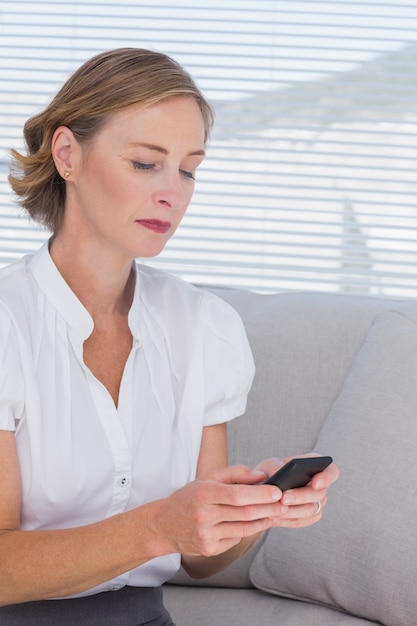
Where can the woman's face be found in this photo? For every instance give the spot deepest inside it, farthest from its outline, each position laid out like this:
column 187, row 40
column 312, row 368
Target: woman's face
column 132, row 185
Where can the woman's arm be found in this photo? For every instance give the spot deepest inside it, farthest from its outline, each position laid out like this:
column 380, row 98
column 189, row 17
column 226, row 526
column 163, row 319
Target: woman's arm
column 49, row 563
column 42, row 564
column 217, row 514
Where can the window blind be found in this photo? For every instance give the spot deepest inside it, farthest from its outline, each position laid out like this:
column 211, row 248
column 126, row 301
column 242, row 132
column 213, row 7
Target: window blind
column 310, row 179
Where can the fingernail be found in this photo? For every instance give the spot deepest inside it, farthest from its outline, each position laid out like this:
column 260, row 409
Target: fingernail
column 288, row 498
column 276, row 495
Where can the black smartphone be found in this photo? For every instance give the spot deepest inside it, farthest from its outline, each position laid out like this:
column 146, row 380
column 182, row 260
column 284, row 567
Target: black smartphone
column 298, row 472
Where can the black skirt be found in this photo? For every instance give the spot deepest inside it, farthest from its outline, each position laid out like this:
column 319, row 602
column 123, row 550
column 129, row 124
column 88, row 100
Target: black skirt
column 130, row 606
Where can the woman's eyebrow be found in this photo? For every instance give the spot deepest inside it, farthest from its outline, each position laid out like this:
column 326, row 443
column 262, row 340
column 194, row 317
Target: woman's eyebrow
column 151, row 146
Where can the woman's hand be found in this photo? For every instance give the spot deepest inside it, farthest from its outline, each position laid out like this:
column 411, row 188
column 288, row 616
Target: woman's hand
column 208, row 517
column 216, row 519
column 304, row 505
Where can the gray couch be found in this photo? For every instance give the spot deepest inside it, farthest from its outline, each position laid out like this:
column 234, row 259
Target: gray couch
column 336, row 374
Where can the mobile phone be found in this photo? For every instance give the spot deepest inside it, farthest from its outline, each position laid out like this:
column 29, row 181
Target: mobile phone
column 298, row 472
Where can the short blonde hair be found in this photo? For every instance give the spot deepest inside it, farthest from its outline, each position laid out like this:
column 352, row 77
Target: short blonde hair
column 107, row 83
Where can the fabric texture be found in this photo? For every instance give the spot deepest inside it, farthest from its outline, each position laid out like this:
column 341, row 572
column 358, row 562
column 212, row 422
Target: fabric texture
column 81, row 458
column 193, row 606
column 304, row 345
column 361, row 557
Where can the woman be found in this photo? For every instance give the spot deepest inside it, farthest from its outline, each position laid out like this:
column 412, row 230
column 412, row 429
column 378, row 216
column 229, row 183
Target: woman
column 117, row 380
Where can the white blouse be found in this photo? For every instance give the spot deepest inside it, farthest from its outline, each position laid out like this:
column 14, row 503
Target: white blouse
column 81, row 458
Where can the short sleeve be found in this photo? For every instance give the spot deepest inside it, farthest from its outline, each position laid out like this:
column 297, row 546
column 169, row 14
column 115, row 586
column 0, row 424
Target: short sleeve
column 228, row 363
column 11, row 379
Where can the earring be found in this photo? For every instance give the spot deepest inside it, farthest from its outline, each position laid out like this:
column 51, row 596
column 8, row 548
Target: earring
column 67, row 174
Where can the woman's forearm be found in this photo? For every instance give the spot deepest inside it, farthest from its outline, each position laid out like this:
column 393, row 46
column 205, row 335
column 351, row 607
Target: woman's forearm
column 43, row 564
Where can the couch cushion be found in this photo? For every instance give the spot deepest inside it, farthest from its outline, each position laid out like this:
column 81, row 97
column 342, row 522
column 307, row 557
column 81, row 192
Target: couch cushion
column 190, row 606
column 361, row 557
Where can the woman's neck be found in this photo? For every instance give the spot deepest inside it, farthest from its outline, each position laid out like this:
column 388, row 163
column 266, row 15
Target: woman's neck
column 105, row 286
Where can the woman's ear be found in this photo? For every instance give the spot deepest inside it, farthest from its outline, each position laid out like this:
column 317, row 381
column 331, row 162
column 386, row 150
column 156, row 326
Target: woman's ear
column 65, row 151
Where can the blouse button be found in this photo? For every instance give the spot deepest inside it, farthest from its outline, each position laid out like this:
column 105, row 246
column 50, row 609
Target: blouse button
column 124, row 482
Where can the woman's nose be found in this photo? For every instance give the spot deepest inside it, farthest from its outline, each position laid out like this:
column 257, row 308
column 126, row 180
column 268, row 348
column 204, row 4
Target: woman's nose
column 170, row 192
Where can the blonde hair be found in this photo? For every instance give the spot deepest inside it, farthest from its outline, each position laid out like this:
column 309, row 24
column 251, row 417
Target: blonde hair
column 107, row 83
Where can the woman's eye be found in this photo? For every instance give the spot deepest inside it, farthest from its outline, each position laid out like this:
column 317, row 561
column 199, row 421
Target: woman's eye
column 188, row 174
column 142, row 166
column 138, row 165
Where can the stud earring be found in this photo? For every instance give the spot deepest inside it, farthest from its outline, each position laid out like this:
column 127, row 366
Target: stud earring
column 67, row 174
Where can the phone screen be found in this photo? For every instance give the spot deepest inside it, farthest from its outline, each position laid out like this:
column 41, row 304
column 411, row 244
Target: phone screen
column 298, row 472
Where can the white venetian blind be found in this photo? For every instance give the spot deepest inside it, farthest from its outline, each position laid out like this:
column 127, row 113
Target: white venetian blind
column 311, row 178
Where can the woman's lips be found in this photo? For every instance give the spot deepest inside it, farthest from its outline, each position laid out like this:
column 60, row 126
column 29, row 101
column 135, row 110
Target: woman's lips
column 155, row 225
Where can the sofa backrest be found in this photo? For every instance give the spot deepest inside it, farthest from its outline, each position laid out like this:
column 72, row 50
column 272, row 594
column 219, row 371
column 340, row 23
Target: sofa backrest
column 304, row 345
